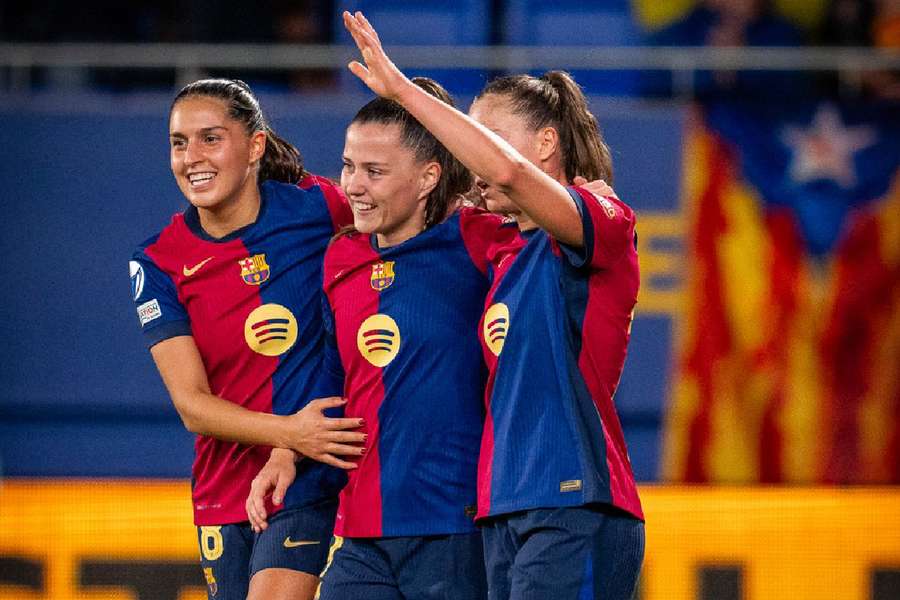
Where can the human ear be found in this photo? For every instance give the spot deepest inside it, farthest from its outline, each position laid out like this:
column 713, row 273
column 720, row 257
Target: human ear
column 547, row 142
column 429, row 179
column 258, row 142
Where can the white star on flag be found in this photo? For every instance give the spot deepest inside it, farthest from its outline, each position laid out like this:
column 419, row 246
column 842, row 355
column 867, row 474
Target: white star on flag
column 825, row 149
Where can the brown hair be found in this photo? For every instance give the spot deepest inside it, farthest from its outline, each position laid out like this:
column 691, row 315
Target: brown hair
column 281, row 161
column 455, row 181
column 555, row 100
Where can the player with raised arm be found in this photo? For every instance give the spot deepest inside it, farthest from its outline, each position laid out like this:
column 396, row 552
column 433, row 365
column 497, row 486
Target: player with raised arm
column 557, row 497
column 405, row 292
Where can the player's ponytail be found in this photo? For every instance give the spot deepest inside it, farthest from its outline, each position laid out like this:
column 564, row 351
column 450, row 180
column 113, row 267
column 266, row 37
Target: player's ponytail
column 281, row 161
column 555, row 100
column 584, row 152
column 455, row 180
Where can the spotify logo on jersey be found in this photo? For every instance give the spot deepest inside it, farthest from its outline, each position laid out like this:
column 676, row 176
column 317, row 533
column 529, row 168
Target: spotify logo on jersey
column 270, row 329
column 496, row 327
column 378, row 340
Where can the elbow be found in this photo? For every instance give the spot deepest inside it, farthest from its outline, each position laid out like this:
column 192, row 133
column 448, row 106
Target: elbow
column 191, row 421
column 509, row 174
column 192, row 424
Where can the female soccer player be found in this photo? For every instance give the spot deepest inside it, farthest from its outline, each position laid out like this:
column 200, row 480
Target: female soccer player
column 405, row 291
column 557, row 498
column 228, row 296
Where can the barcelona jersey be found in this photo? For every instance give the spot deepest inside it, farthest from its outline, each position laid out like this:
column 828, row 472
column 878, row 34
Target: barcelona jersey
column 405, row 322
column 554, row 334
column 252, row 302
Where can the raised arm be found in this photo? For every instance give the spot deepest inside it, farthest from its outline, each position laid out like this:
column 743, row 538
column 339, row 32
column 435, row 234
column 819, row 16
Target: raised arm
column 538, row 195
column 308, row 431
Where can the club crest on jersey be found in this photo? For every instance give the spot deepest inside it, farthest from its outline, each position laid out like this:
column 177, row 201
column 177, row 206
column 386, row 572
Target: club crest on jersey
column 254, row 269
column 211, row 580
column 382, row 275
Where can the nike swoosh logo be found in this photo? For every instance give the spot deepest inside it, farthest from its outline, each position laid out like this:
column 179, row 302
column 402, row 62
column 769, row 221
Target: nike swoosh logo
column 188, row 272
column 288, row 543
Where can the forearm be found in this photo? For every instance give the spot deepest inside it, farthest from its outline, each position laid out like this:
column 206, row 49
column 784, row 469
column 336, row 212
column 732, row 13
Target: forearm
column 479, row 149
column 494, row 160
column 206, row 414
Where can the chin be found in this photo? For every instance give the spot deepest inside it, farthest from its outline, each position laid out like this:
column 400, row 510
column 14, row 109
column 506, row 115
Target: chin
column 364, row 225
column 498, row 206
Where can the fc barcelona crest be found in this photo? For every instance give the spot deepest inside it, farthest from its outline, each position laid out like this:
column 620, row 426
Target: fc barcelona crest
column 254, row 269
column 210, row 580
column 382, row 275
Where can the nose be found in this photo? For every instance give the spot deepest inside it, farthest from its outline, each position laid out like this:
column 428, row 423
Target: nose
column 480, row 183
column 192, row 153
column 352, row 183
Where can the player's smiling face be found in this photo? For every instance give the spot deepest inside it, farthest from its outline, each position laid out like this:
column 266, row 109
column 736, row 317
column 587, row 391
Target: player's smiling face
column 213, row 158
column 495, row 112
column 385, row 184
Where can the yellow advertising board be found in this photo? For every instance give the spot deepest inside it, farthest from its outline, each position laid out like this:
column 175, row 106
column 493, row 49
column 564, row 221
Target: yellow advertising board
column 133, row 540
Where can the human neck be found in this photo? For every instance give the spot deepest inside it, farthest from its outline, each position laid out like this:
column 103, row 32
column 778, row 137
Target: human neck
column 397, row 236
column 230, row 216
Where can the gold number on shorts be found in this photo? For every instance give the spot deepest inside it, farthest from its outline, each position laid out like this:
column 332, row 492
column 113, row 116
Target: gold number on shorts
column 211, row 544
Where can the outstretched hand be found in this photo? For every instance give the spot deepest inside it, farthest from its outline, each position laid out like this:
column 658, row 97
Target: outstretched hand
column 378, row 72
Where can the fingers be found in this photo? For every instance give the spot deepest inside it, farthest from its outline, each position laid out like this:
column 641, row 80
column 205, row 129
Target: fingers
column 579, row 180
column 358, row 69
column 337, row 462
column 367, row 27
column 280, row 489
column 344, row 449
column 335, row 423
column 329, row 402
column 351, row 25
column 256, row 504
column 348, row 436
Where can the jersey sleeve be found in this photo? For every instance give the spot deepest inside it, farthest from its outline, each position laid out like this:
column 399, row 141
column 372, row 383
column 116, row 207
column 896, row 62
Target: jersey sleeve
column 159, row 311
column 338, row 207
column 608, row 226
column 480, row 231
column 331, row 376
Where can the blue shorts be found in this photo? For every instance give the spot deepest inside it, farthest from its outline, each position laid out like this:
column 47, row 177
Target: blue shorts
column 437, row 567
column 576, row 553
column 295, row 539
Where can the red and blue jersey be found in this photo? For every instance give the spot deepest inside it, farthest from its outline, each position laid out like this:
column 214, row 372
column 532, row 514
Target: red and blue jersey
column 252, row 302
column 554, row 334
column 405, row 323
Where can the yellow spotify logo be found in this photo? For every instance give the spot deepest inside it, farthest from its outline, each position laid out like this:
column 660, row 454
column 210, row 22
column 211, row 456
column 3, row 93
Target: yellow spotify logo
column 496, row 326
column 270, row 329
column 378, row 340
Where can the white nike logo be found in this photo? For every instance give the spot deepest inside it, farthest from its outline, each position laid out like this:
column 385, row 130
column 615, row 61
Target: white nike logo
column 188, row 272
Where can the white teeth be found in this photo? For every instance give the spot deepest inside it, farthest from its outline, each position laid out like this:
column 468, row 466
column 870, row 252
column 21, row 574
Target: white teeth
column 200, row 178
column 363, row 206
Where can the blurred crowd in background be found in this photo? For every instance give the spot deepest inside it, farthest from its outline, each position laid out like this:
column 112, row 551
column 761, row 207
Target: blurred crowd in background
column 728, row 23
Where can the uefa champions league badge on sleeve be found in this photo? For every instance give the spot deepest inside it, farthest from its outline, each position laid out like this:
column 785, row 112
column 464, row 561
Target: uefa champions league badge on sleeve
column 137, row 278
column 148, row 311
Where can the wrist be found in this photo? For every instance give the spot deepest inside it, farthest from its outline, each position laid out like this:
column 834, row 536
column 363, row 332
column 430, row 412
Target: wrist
column 406, row 92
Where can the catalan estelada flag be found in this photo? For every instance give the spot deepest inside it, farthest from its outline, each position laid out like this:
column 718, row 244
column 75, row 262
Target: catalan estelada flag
column 787, row 358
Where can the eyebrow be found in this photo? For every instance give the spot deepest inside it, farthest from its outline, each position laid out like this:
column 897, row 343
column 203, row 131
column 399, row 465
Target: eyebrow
column 202, row 131
column 368, row 163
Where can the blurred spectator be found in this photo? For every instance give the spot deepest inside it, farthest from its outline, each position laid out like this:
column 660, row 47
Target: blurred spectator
column 886, row 34
column 306, row 22
column 730, row 23
column 861, row 23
